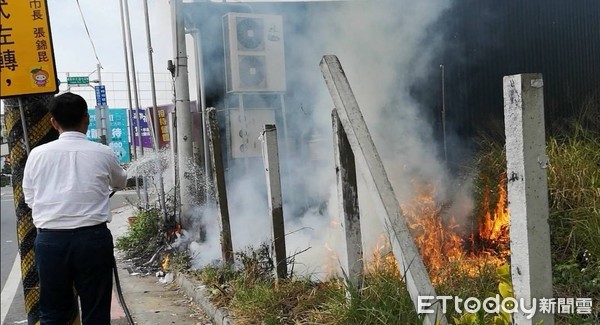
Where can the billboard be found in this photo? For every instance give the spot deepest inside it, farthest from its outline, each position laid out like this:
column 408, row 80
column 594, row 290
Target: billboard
column 117, row 132
column 163, row 127
column 143, row 125
column 164, row 137
column 26, row 53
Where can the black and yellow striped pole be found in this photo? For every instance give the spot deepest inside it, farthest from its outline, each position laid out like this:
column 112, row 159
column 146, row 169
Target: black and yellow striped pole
column 28, row 80
column 39, row 130
column 35, row 119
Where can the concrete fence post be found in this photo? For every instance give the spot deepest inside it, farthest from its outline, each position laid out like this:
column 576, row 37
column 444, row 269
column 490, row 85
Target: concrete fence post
column 531, row 266
column 347, row 195
column 271, row 163
column 220, row 187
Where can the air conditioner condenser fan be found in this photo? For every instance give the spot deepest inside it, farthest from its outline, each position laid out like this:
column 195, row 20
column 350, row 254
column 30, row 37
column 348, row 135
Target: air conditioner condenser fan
column 252, row 71
column 250, row 34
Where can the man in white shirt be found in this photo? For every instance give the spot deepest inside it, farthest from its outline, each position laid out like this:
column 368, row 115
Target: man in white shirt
column 67, row 183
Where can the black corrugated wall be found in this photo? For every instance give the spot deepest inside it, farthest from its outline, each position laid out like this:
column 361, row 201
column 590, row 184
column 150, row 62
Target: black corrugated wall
column 488, row 39
column 483, row 40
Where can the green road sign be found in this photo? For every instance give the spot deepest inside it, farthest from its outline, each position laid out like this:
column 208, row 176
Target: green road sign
column 78, row 81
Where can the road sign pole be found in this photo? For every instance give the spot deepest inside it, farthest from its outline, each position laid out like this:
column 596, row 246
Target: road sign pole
column 68, row 85
column 100, row 108
column 24, row 123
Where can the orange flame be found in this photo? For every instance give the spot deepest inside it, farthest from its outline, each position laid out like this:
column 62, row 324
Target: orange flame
column 439, row 240
column 438, row 237
column 332, row 263
column 494, row 224
column 165, row 263
column 383, row 259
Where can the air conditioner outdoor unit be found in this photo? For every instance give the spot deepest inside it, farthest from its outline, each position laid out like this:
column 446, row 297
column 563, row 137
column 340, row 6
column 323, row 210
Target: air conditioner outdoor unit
column 254, row 53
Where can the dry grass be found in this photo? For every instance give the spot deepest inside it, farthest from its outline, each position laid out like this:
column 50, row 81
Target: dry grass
column 250, row 292
column 574, row 200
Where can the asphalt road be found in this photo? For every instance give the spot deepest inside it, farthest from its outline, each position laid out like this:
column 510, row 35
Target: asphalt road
column 12, row 308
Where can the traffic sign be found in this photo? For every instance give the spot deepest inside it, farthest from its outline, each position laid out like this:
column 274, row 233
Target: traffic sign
column 26, row 52
column 78, row 81
column 100, row 94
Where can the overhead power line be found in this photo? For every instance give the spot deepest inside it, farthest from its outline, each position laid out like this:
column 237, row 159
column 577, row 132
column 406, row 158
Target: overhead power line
column 88, row 33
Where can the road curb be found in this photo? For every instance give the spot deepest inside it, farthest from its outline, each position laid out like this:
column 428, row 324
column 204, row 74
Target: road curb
column 201, row 296
column 137, row 290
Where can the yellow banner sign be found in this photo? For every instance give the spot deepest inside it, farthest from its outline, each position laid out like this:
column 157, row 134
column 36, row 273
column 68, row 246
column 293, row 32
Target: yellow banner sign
column 26, row 55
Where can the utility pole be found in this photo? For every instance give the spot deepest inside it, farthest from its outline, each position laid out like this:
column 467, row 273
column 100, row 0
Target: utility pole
column 155, row 124
column 129, row 115
column 182, row 106
column 136, row 99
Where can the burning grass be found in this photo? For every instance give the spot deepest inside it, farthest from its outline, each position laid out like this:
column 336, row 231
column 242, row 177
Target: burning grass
column 574, row 199
column 462, row 262
column 459, row 264
column 437, row 240
column 445, row 245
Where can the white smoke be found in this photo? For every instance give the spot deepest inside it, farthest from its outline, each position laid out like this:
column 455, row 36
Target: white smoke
column 385, row 47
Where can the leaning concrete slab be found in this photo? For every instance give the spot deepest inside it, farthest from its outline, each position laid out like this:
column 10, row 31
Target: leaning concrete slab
column 371, row 168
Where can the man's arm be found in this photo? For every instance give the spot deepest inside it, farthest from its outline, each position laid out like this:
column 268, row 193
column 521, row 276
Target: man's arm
column 28, row 191
column 117, row 175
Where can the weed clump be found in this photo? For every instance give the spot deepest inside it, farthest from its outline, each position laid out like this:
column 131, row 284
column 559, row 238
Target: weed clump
column 144, row 236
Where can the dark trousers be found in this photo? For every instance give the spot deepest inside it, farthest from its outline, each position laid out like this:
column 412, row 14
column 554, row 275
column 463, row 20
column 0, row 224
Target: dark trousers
column 82, row 259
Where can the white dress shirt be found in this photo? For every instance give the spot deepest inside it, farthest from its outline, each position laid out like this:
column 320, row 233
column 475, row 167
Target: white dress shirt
column 66, row 182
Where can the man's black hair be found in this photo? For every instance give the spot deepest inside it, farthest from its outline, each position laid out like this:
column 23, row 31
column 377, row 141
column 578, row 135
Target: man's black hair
column 68, row 110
